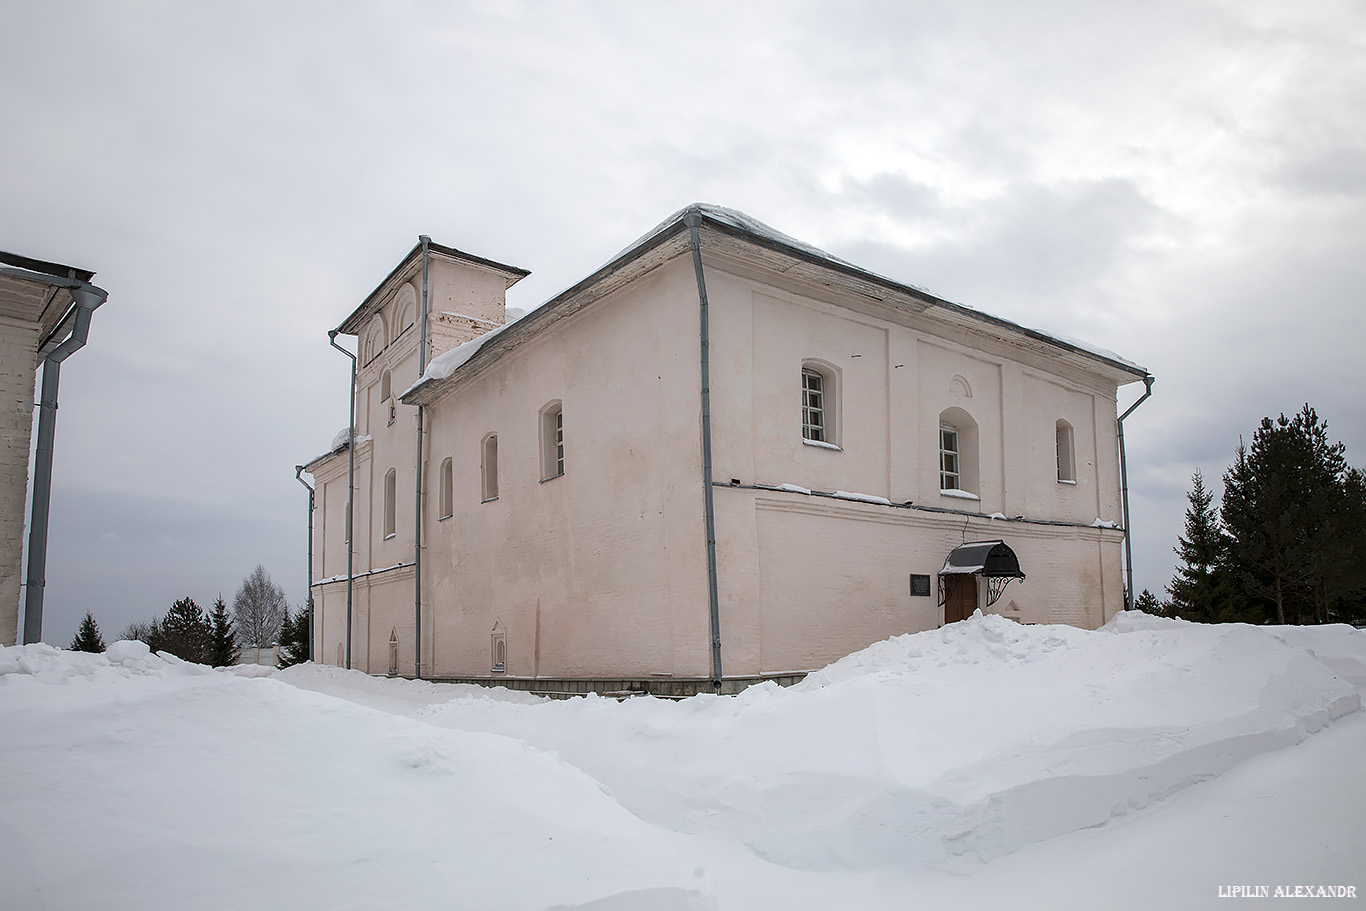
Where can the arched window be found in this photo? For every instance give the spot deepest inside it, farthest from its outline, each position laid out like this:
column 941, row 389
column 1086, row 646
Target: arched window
column 552, row 441
column 489, row 467
column 499, row 647
column 447, row 501
column 385, row 394
column 1067, row 456
column 820, row 403
column 958, row 452
column 393, row 653
column 390, row 497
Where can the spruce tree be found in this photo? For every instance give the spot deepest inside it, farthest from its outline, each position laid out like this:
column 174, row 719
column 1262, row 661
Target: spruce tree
column 223, row 651
column 1148, row 603
column 187, row 631
column 294, row 639
column 88, row 638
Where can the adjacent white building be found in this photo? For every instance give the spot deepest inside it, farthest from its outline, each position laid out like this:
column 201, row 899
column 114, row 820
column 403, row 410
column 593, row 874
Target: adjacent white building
column 724, row 455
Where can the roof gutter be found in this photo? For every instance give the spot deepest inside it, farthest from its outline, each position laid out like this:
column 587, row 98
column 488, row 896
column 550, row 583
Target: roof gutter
column 1124, row 492
column 425, row 242
column 87, row 298
column 299, row 476
column 693, row 220
column 350, row 493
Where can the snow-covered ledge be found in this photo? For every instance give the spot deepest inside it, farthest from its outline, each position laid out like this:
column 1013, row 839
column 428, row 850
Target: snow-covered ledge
column 821, row 444
column 960, row 494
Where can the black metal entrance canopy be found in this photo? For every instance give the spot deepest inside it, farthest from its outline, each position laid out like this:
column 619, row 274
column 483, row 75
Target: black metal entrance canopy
column 992, row 560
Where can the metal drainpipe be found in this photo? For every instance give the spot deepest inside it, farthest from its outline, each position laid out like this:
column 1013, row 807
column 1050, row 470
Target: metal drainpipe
column 299, row 476
column 1124, row 491
column 87, row 298
column 693, row 220
column 417, row 484
column 350, row 492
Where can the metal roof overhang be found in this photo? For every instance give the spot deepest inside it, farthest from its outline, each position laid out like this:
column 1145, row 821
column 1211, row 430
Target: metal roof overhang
column 992, row 559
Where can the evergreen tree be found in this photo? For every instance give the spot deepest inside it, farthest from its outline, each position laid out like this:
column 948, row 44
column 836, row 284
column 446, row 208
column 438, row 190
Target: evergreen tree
column 1148, row 603
column 1203, row 589
column 223, row 651
column 187, row 631
column 1295, row 536
column 294, row 638
column 88, row 638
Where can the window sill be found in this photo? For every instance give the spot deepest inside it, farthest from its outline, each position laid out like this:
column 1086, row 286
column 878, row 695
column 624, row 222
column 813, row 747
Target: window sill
column 498, row 670
column 1068, row 483
column 959, row 494
column 392, row 534
column 444, row 518
column 489, row 500
column 821, row 444
column 552, row 477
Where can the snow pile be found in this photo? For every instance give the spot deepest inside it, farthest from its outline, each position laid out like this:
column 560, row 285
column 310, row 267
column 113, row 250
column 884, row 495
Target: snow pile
column 975, row 739
column 135, row 780
column 166, row 789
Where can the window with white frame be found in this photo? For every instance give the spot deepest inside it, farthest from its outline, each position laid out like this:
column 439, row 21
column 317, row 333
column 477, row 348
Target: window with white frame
column 446, row 499
column 958, row 467
column 552, row 441
column 950, row 465
column 489, row 467
column 813, row 406
column 499, row 647
column 390, row 499
column 1067, row 456
column 820, row 404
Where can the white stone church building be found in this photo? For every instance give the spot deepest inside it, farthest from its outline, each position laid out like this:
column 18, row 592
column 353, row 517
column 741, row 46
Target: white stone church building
column 725, row 456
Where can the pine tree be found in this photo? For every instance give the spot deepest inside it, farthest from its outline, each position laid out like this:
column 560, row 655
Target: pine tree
column 294, row 639
column 88, row 638
column 1148, row 603
column 187, row 631
column 223, row 651
column 1203, row 589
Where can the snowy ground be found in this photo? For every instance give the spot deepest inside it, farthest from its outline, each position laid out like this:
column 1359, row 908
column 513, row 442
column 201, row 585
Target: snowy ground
column 1152, row 764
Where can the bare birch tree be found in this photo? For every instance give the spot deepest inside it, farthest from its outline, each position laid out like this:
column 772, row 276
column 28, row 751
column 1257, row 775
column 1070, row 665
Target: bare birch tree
column 259, row 610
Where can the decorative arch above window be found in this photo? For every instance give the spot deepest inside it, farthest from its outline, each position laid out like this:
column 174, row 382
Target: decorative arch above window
column 373, row 340
column 821, row 417
column 405, row 309
column 958, row 452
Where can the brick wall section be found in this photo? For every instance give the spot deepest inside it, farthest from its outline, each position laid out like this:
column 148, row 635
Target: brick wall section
column 18, row 344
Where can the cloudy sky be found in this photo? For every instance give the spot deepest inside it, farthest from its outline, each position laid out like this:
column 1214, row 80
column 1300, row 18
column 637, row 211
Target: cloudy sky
column 1180, row 181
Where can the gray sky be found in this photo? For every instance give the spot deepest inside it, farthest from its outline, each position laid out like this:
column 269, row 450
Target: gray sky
column 1182, row 182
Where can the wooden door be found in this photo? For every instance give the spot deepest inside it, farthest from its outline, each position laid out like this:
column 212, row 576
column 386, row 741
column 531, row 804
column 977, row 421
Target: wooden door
column 962, row 597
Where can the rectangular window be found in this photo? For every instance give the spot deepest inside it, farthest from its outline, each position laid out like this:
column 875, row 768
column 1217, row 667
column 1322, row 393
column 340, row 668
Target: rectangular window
column 813, row 406
column 1067, row 466
column 948, row 458
column 552, row 441
column 559, row 442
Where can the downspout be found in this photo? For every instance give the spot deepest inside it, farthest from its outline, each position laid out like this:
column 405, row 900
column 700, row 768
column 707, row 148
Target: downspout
column 417, row 483
column 1124, row 492
column 693, row 220
column 350, row 492
column 87, row 298
column 299, row 476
